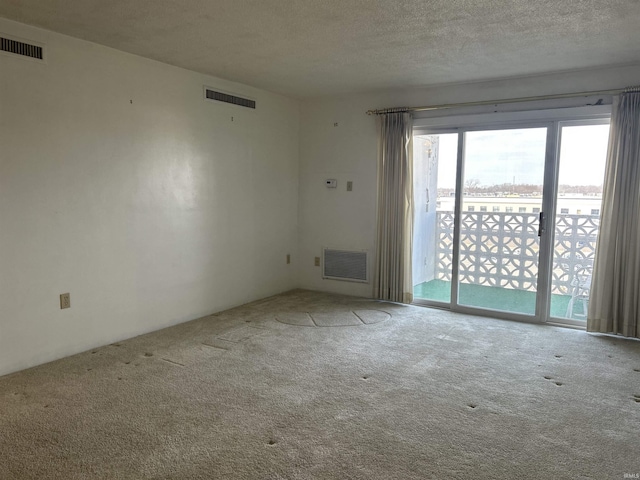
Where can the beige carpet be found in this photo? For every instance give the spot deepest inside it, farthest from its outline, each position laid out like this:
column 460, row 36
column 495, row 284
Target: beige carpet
column 315, row 386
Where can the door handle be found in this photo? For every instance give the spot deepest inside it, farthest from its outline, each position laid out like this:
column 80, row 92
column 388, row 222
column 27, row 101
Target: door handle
column 541, row 224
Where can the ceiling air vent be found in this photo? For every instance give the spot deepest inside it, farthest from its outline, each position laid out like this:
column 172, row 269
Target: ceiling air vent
column 21, row 48
column 227, row 98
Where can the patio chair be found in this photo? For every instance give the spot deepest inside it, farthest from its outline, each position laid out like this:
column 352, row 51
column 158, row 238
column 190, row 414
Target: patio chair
column 581, row 286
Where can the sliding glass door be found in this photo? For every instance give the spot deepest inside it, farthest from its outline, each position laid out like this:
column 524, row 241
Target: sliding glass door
column 576, row 224
column 499, row 245
column 506, row 218
column 434, row 200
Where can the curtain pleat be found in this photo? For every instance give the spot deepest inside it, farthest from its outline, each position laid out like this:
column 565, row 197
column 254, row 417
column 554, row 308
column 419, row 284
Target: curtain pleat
column 392, row 278
column 614, row 303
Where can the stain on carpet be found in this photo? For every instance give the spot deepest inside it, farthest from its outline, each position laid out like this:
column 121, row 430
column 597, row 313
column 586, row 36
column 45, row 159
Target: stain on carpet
column 352, row 318
column 335, row 319
column 184, row 356
column 370, row 317
column 300, row 319
column 241, row 334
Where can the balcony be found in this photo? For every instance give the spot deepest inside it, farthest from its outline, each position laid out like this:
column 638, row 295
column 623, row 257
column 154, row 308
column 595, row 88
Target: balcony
column 499, row 262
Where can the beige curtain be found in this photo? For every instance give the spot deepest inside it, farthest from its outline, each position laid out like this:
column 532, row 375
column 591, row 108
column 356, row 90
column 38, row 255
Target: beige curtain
column 614, row 306
column 392, row 278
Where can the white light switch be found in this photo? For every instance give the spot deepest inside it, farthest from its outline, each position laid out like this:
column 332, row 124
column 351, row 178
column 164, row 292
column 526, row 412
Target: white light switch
column 331, row 183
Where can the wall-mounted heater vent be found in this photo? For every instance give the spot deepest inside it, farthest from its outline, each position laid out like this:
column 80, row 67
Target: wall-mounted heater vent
column 20, row 48
column 227, row 98
column 345, row 265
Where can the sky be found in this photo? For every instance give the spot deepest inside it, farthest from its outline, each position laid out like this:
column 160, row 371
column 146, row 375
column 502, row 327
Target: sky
column 502, row 156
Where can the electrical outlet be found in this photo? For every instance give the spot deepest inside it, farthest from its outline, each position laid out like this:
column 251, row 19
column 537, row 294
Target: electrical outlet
column 317, row 261
column 288, row 259
column 65, row 300
column 349, row 186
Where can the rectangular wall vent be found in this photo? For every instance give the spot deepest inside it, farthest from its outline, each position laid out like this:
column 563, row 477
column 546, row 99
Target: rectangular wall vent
column 20, row 48
column 227, row 98
column 345, row 265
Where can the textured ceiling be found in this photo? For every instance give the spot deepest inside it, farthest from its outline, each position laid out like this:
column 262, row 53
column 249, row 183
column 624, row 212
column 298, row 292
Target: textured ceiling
column 308, row 48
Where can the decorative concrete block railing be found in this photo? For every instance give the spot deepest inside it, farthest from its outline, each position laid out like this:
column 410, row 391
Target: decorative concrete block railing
column 501, row 249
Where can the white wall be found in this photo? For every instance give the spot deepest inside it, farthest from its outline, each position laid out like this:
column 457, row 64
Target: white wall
column 348, row 152
column 120, row 184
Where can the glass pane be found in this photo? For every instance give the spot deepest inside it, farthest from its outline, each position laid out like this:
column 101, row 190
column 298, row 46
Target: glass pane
column 583, row 151
column 499, row 243
column 434, row 181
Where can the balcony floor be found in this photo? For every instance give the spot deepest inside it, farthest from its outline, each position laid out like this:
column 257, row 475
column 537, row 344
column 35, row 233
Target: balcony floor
column 495, row 298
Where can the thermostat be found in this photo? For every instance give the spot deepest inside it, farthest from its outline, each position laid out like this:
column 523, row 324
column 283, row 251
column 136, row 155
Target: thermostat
column 331, row 183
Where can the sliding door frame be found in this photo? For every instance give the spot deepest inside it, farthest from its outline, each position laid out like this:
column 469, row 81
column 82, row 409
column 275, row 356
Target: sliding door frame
column 552, row 120
column 594, row 120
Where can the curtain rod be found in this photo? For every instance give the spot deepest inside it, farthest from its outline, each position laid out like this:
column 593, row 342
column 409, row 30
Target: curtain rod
column 445, row 106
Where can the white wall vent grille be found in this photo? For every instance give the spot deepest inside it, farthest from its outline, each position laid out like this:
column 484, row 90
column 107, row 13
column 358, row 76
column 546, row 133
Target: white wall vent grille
column 228, row 98
column 345, row 265
column 21, row 48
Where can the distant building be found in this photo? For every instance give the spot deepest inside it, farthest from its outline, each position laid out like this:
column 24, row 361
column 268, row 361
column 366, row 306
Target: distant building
column 572, row 204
